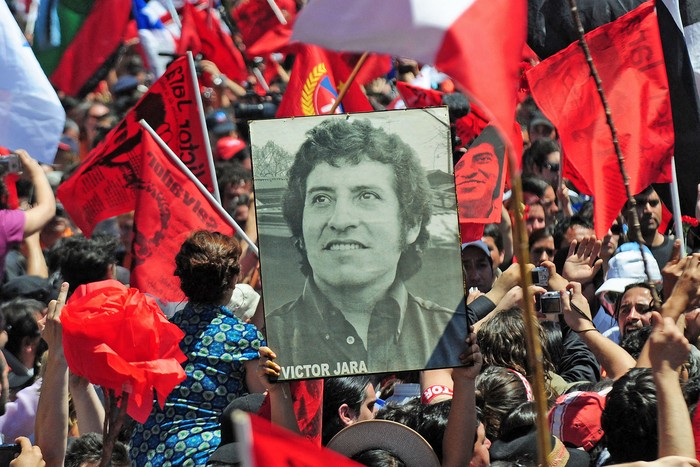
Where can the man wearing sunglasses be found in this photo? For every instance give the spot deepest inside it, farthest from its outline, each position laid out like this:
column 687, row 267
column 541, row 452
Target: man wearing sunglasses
column 649, row 213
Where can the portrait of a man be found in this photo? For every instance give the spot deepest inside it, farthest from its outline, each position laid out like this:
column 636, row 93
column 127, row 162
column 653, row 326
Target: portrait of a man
column 479, row 179
column 358, row 205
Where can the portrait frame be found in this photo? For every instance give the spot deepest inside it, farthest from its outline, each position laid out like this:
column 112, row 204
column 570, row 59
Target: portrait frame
column 438, row 281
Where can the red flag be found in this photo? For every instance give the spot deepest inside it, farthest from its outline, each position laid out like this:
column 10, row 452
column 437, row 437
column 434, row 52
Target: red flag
column 170, row 108
column 630, row 61
column 307, row 399
column 479, row 43
column 313, row 85
column 98, row 38
column 416, row 98
column 374, row 66
column 261, row 31
column 169, row 206
column 202, row 33
column 274, row 446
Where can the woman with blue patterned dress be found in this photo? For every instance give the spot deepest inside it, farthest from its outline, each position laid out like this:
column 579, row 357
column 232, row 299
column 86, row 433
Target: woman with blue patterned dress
column 221, row 351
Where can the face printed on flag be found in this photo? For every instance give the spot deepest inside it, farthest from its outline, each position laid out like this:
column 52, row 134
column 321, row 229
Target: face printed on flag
column 479, row 180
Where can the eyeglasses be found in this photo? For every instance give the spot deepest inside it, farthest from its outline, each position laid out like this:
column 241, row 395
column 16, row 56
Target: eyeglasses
column 552, row 167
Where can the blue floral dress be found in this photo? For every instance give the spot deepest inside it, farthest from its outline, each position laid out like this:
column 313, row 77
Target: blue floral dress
column 186, row 431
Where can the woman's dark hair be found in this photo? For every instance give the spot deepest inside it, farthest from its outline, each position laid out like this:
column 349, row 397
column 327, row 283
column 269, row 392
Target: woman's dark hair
column 502, row 343
column 378, row 458
column 20, row 321
column 351, row 390
column 519, row 422
column 88, row 449
column 498, row 392
column 553, row 342
column 207, row 265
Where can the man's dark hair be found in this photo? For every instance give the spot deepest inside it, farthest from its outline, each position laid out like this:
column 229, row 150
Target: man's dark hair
column 536, row 154
column 339, row 142
column 629, row 418
column 565, row 223
column 351, row 390
column 82, row 260
column 535, row 185
column 88, row 449
column 538, row 235
column 492, row 230
column 20, row 322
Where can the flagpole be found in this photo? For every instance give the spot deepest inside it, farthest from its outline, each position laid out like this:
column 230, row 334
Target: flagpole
column 173, row 13
column 278, row 13
column 636, row 232
column 347, row 84
column 199, row 185
column 676, row 205
column 203, row 124
column 244, row 432
column 532, row 338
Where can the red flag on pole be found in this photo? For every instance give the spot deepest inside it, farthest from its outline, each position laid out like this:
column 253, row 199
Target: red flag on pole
column 630, row 61
column 478, row 43
column 169, row 207
column 170, row 108
column 261, row 30
column 202, row 33
column 313, row 85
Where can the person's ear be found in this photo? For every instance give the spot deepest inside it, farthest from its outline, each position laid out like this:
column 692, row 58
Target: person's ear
column 346, row 415
column 412, row 233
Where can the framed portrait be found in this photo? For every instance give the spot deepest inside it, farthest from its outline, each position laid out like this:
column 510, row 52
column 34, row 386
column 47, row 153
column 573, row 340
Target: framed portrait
column 359, row 242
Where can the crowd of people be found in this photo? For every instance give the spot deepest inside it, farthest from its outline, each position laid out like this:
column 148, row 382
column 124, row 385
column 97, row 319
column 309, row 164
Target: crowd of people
column 620, row 331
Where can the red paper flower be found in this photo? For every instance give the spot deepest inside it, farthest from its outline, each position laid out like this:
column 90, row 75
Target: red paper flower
column 118, row 338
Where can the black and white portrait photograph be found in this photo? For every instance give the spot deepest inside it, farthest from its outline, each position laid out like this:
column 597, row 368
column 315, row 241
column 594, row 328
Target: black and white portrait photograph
column 359, row 242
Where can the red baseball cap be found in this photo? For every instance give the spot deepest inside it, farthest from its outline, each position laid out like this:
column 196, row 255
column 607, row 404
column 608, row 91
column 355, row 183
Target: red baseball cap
column 227, row 147
column 575, row 418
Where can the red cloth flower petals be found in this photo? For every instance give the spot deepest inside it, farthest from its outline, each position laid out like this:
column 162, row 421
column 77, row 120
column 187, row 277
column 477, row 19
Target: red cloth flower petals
column 118, row 338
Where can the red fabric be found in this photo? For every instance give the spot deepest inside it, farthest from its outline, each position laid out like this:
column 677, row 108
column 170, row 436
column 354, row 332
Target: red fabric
column 261, row 31
column 212, row 42
column 470, row 126
column 99, row 36
column 169, row 206
column 486, row 59
column 629, row 58
column 274, row 446
column 375, row 66
column 144, row 355
column 169, row 107
column 307, row 398
column 416, row 98
column 696, row 433
column 313, row 85
column 470, row 232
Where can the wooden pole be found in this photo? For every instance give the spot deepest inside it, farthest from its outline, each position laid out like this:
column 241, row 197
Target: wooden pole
column 344, row 90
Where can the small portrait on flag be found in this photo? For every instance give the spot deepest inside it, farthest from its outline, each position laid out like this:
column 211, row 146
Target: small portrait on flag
column 359, row 243
column 479, row 177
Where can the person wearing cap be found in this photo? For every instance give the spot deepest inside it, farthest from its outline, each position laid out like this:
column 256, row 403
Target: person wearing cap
column 220, row 124
column 625, row 269
column 477, row 265
column 540, row 127
column 360, row 239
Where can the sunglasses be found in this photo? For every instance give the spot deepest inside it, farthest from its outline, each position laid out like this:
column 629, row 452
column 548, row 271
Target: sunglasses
column 552, row 167
column 537, row 252
column 616, row 229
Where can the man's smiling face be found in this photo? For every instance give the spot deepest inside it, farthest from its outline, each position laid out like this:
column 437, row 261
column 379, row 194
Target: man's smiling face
column 352, row 226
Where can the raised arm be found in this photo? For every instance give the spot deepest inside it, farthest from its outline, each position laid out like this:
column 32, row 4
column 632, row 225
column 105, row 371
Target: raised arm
column 51, row 429
column 45, row 204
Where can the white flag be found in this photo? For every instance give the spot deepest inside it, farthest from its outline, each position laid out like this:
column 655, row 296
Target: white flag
column 31, row 114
